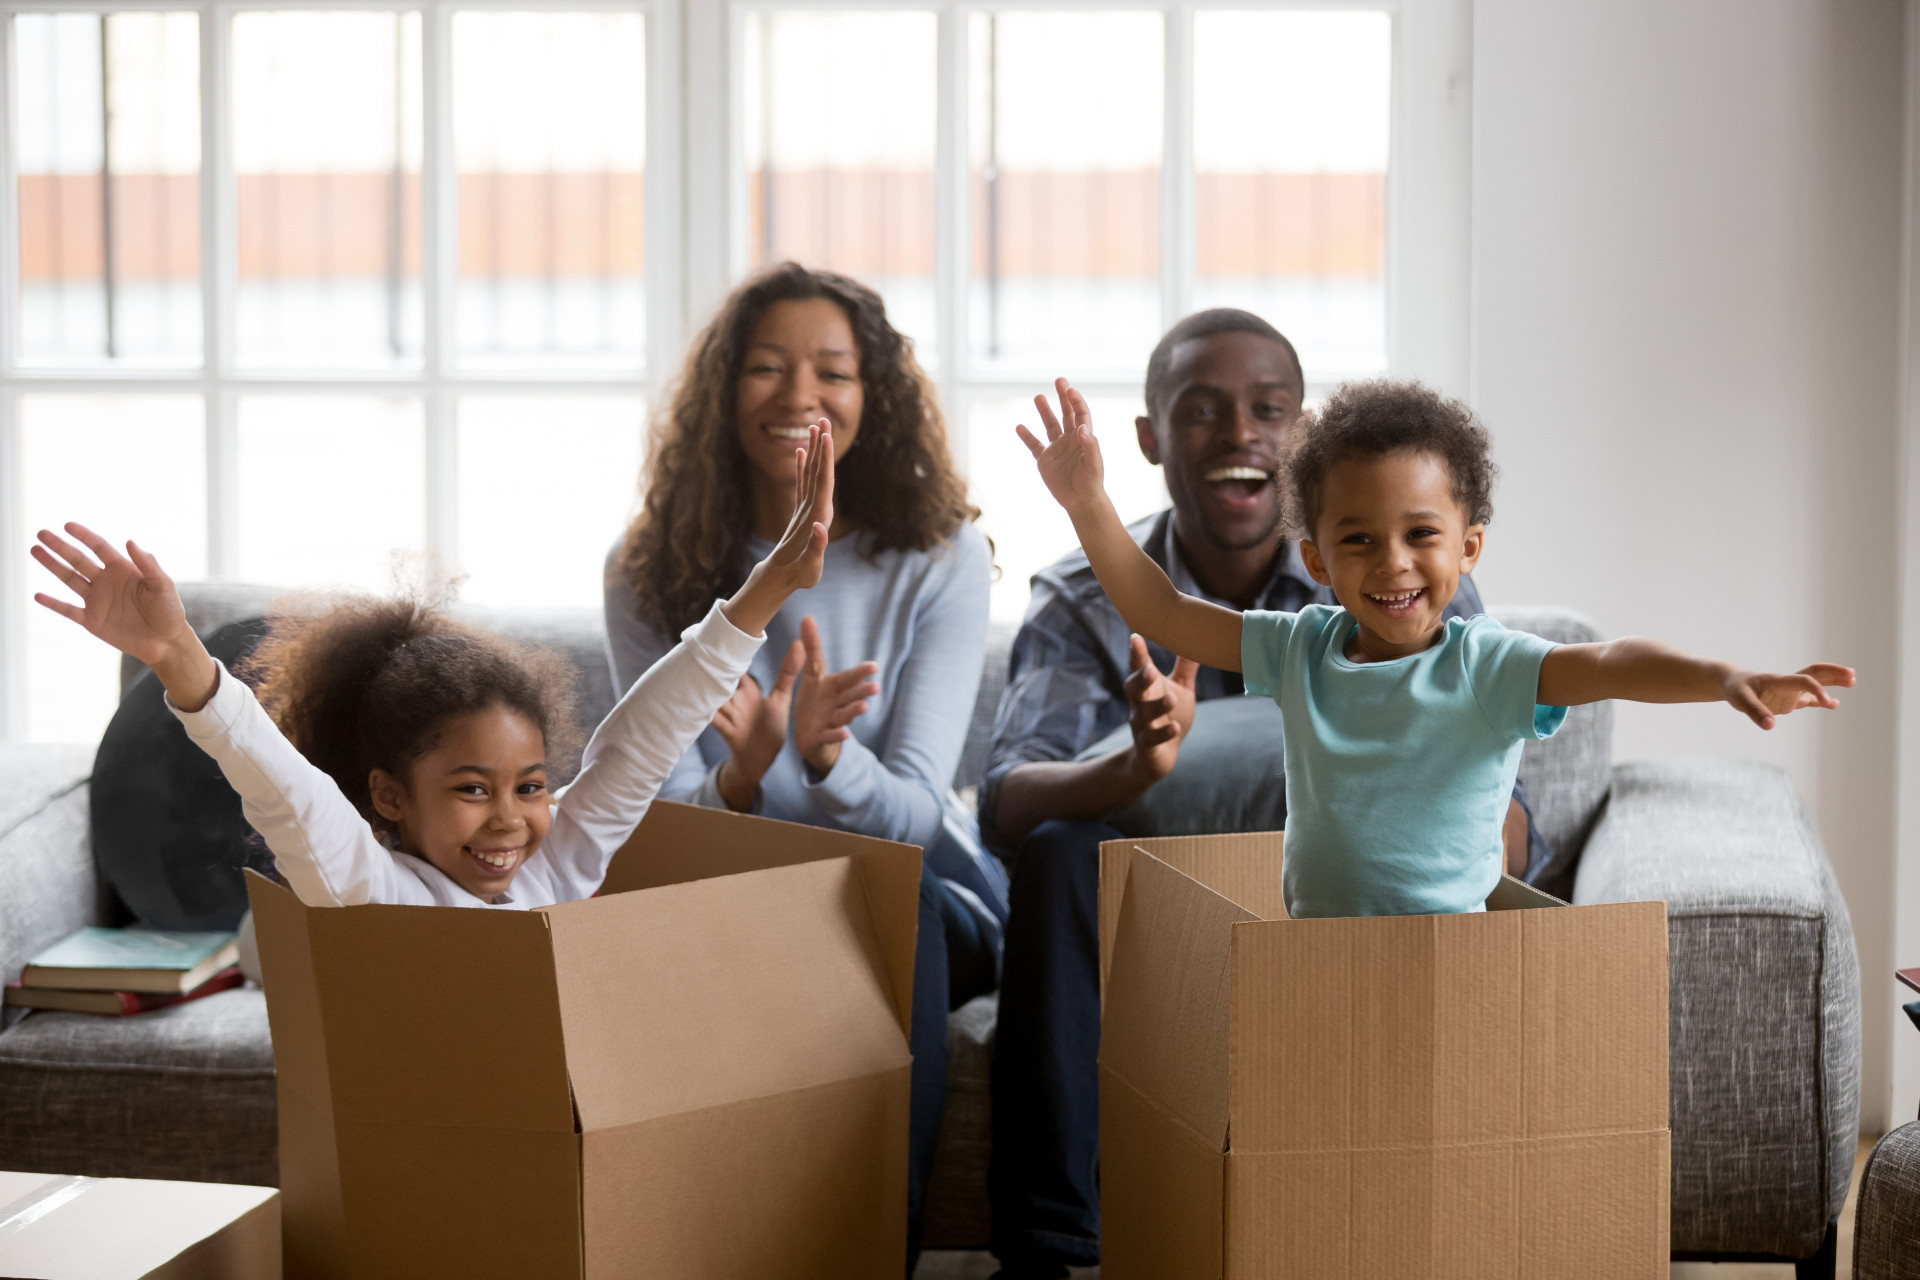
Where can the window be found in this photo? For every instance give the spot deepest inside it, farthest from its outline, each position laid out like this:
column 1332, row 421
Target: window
column 289, row 288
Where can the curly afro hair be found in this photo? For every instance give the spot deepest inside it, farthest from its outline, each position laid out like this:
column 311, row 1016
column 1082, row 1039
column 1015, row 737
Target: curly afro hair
column 369, row 683
column 1375, row 418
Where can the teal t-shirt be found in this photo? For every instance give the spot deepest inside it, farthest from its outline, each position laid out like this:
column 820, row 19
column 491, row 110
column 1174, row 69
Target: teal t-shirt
column 1398, row 773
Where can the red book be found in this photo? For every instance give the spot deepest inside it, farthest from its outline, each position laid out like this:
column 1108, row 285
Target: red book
column 1909, row 976
column 116, row 1003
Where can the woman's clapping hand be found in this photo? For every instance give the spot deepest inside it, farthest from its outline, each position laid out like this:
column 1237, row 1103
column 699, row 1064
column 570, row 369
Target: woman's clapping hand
column 827, row 702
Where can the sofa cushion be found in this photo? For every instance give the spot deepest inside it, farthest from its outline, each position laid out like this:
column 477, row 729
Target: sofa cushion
column 47, row 883
column 185, row 1092
column 1886, row 1224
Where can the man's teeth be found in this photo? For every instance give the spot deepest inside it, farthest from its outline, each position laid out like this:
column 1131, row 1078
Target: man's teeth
column 502, row 858
column 1237, row 473
column 787, row 433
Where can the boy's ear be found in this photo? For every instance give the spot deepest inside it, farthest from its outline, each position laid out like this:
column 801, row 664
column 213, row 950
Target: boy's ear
column 1476, row 539
column 1149, row 442
column 1316, row 563
column 385, row 791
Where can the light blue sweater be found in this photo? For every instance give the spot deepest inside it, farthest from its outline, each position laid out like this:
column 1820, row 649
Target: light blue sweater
column 922, row 616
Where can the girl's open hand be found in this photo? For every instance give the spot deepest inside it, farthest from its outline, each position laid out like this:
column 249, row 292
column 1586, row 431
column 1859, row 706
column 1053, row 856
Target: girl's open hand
column 1070, row 460
column 798, row 558
column 827, row 702
column 1763, row 696
column 802, row 549
column 130, row 602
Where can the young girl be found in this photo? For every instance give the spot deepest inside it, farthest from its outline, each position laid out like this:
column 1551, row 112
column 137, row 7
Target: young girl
column 1403, row 729
column 410, row 761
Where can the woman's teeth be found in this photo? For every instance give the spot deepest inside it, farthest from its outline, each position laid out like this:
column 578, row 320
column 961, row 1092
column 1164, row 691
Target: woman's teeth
column 787, row 433
column 500, row 859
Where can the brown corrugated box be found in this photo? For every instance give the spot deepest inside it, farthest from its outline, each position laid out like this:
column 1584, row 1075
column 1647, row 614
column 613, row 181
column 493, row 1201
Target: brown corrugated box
column 1468, row 1096
column 54, row 1227
column 702, row 1072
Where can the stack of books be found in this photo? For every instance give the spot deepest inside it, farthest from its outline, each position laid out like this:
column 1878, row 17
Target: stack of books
column 124, row 971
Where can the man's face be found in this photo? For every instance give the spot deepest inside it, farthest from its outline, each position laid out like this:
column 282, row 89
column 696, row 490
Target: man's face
column 1232, row 398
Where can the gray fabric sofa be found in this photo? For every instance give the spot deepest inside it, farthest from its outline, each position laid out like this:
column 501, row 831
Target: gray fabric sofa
column 1886, row 1223
column 1764, row 1001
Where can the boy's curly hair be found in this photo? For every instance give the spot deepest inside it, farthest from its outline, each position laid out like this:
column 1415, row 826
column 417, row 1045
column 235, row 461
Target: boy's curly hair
column 1374, row 418
column 370, row 682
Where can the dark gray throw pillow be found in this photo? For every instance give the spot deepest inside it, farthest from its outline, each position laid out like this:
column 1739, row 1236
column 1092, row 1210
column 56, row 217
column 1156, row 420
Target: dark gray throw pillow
column 168, row 833
column 1230, row 775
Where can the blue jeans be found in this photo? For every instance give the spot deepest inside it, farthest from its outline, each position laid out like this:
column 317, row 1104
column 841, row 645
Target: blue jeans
column 1043, row 1177
column 956, row 957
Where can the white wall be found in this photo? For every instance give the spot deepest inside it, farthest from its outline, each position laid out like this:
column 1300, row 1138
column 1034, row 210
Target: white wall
column 1686, row 312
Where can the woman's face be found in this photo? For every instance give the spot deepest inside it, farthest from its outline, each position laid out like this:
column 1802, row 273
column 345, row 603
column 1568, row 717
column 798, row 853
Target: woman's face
column 801, row 365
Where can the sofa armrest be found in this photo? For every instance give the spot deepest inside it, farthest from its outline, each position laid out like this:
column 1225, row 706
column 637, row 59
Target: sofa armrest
column 47, row 883
column 1764, row 1003
column 1886, row 1224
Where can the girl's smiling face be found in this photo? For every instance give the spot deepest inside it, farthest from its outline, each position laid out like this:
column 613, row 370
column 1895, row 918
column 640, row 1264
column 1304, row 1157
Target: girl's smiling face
column 475, row 805
column 1392, row 541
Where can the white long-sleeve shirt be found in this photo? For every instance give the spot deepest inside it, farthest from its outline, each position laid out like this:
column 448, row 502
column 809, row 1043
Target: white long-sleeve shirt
column 330, row 857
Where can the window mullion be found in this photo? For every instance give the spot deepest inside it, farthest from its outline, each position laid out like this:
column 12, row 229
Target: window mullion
column 219, row 262
column 1177, row 178
column 950, row 230
column 440, row 213
column 13, row 560
column 665, row 246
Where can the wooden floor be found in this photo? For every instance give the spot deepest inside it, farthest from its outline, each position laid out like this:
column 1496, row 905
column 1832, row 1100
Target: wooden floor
column 978, row 1266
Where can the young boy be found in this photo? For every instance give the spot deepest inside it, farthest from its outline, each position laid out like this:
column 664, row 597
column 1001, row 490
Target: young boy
column 1403, row 729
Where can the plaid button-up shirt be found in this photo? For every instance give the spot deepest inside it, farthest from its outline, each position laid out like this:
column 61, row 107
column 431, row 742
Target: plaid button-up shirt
column 1068, row 667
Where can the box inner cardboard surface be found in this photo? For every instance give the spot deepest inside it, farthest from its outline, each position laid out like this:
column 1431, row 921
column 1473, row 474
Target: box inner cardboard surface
column 129, row 1228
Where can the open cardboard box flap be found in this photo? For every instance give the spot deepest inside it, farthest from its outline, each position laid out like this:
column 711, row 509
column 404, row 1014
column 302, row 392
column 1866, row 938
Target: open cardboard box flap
column 736, row 977
column 1466, row 1095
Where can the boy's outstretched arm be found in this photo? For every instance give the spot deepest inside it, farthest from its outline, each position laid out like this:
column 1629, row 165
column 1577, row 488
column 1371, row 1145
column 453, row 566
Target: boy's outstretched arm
column 1071, row 466
column 1642, row 670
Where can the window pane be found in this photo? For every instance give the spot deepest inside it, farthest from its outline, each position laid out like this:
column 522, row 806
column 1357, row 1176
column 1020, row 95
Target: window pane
column 1290, row 146
column 331, row 487
column 550, row 139
column 1065, row 132
column 832, row 182
column 108, row 188
column 126, row 467
column 326, row 151
column 1029, row 529
column 576, row 461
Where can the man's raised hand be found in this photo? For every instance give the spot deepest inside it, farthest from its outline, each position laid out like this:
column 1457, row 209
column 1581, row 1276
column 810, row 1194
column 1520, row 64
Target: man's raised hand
column 1070, row 461
column 1159, row 709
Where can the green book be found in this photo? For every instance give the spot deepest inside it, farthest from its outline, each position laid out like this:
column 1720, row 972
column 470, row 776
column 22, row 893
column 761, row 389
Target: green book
column 131, row 960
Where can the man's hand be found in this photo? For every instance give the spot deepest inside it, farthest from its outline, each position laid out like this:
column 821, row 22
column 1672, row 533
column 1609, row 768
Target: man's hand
column 1159, row 710
column 827, row 703
column 754, row 727
column 1762, row 696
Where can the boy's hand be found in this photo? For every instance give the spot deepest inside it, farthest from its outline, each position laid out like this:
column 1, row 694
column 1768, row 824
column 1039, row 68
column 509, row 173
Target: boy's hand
column 1763, row 696
column 1070, row 460
column 1159, row 710
column 796, row 561
column 130, row 602
column 827, row 703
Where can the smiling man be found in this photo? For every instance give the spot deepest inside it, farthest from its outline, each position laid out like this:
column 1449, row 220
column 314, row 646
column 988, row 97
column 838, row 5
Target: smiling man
column 1223, row 391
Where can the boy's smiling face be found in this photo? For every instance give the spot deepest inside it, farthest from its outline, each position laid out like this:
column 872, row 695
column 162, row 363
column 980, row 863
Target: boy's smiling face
column 1392, row 542
column 475, row 805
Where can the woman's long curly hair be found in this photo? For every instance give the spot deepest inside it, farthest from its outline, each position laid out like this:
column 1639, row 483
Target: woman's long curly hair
column 897, row 484
column 370, row 683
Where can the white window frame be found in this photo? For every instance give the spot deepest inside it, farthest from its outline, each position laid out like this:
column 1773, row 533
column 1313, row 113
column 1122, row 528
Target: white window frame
column 696, row 247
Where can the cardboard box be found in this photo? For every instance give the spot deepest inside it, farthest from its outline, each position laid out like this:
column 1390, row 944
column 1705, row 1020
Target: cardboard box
column 700, row 1073
column 54, row 1227
column 1471, row 1096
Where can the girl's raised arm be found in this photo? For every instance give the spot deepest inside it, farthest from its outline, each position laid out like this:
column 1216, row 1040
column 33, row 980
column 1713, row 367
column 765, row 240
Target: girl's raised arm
column 1070, row 464
column 796, row 560
column 130, row 602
